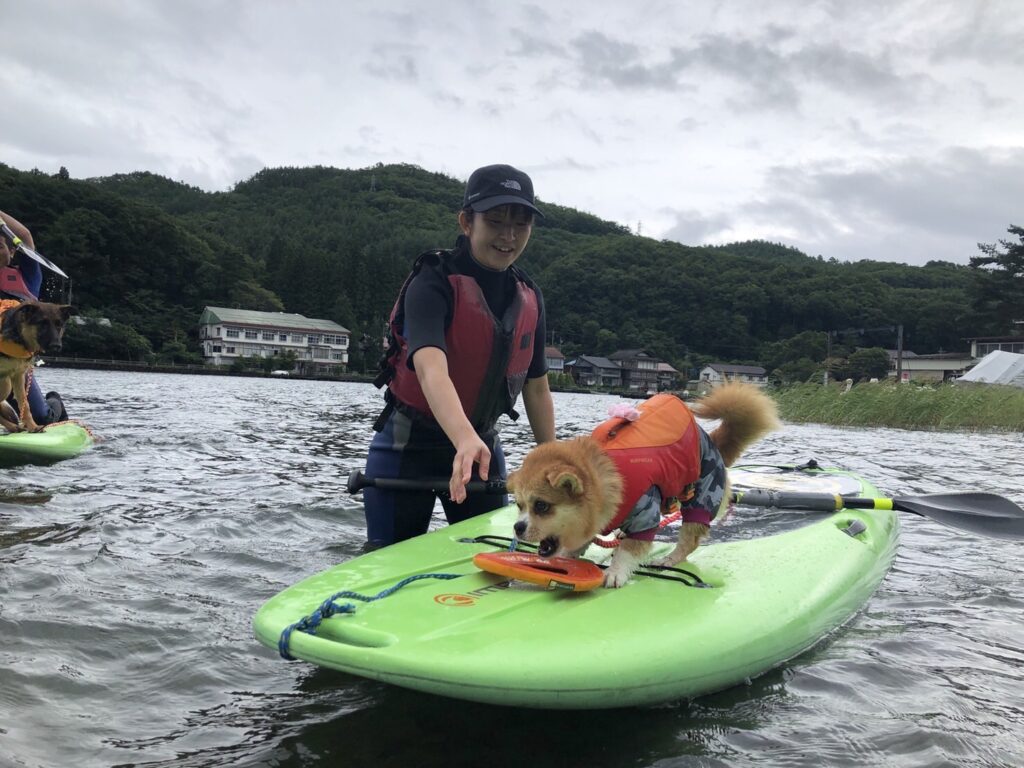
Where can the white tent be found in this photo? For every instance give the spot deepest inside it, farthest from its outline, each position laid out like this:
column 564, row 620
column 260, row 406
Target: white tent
column 997, row 368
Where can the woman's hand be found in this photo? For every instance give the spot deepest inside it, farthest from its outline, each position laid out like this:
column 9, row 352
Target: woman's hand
column 472, row 450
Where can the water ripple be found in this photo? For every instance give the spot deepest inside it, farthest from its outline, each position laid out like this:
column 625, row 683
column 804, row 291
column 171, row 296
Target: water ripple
column 129, row 577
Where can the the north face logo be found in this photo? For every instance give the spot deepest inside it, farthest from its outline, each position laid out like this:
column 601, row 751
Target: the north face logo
column 512, row 184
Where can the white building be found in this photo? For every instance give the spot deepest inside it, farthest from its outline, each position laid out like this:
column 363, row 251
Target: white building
column 719, row 373
column 228, row 334
column 939, row 367
column 555, row 359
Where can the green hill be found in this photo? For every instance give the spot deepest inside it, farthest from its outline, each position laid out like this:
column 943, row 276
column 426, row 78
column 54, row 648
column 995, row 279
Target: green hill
column 149, row 253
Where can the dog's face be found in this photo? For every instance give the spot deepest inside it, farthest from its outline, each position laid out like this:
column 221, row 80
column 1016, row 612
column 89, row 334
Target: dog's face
column 563, row 500
column 38, row 326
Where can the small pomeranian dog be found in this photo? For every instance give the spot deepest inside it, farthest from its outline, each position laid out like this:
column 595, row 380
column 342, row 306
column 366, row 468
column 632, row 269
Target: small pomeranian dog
column 628, row 472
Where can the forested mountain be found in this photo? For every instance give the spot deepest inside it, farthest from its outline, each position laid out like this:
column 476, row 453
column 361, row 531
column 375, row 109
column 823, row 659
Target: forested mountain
column 149, row 253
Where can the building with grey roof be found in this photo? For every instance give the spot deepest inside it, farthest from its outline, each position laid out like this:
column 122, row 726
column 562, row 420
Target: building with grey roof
column 320, row 346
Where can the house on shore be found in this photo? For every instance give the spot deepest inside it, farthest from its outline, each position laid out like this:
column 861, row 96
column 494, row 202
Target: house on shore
column 982, row 345
column 320, row 346
column 591, row 371
column 668, row 377
column 639, row 369
column 942, row 366
column 555, row 360
column 716, row 374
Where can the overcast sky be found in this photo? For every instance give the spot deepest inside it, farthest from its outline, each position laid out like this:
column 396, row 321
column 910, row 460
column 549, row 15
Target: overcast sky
column 867, row 129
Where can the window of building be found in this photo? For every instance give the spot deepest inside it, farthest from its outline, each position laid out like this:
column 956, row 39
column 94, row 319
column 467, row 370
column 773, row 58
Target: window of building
column 298, row 338
column 251, row 335
column 229, row 350
column 268, row 335
column 313, row 338
column 282, row 337
column 216, row 347
column 231, row 333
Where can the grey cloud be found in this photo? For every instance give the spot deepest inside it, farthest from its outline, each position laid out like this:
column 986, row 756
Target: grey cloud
column 991, row 32
column 529, row 45
column 603, row 59
column 914, row 209
column 960, row 190
column 694, row 227
column 770, row 76
column 400, row 68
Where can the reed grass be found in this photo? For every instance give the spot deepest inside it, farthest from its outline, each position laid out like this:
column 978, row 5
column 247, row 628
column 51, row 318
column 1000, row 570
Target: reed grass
column 909, row 406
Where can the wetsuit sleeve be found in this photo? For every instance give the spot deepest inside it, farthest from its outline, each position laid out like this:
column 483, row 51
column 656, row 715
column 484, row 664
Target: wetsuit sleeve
column 428, row 311
column 539, row 363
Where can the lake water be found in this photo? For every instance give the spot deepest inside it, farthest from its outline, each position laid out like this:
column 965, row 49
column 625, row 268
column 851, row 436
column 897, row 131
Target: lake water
column 129, row 577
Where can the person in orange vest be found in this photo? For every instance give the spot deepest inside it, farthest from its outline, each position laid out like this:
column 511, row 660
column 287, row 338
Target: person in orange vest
column 23, row 278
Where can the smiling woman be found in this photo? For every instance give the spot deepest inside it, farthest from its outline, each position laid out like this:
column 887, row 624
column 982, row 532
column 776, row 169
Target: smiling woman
column 466, row 337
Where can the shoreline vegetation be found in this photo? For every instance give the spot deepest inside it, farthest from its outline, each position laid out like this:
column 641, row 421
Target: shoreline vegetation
column 972, row 407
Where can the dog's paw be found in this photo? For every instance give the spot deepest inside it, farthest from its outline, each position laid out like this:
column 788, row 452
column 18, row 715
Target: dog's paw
column 615, row 578
column 672, row 559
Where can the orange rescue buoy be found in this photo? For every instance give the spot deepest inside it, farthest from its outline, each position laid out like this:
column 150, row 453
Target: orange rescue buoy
column 551, row 572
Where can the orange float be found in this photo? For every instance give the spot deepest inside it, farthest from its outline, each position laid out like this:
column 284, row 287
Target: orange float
column 551, row 572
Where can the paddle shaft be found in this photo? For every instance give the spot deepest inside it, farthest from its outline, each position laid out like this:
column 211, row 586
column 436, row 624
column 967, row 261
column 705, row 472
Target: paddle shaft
column 754, row 498
column 357, row 481
column 19, row 244
column 982, row 513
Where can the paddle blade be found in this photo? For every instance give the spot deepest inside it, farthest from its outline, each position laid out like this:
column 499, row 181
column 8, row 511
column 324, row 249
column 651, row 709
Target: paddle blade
column 982, row 513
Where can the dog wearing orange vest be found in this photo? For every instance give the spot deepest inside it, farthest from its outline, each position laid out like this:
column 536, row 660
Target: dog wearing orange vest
column 26, row 329
column 628, row 472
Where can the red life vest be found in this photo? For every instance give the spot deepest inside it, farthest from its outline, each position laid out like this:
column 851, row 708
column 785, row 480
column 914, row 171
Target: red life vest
column 660, row 448
column 13, row 284
column 488, row 357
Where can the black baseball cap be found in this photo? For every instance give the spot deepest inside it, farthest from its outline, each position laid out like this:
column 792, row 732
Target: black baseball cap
column 495, row 185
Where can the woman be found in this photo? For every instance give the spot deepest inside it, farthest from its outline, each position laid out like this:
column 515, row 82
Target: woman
column 21, row 279
column 467, row 337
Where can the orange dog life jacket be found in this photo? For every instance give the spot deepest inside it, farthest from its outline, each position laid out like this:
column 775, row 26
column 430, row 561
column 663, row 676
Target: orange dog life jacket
column 660, row 448
column 7, row 347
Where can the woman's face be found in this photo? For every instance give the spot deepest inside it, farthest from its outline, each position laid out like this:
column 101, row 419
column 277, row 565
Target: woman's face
column 497, row 237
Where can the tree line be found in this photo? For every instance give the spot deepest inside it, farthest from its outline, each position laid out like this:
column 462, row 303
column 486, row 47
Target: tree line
column 149, row 253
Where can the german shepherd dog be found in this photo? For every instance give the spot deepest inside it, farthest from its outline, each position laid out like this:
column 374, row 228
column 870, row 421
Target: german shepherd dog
column 26, row 330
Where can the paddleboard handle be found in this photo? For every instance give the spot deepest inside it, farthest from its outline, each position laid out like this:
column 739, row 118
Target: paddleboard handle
column 759, row 497
column 357, row 481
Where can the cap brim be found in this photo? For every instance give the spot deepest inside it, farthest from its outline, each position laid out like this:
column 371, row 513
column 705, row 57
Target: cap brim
column 493, row 202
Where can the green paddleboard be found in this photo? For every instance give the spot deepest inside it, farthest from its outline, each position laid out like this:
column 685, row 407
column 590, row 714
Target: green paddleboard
column 749, row 605
column 55, row 443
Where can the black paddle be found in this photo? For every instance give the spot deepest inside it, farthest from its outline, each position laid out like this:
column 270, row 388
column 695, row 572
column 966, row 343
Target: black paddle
column 983, row 513
column 19, row 244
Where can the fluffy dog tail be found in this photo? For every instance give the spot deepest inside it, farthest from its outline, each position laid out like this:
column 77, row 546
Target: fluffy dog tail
column 747, row 415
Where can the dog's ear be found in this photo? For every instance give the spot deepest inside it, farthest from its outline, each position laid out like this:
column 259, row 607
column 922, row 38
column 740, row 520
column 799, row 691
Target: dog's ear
column 66, row 311
column 28, row 310
column 567, row 479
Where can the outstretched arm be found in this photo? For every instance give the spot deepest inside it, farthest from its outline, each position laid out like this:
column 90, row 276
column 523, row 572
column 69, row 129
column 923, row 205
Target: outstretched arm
column 432, row 372
column 19, row 229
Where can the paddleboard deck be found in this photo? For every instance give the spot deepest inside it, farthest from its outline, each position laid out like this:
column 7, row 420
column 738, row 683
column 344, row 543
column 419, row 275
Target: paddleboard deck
column 737, row 610
column 55, row 443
